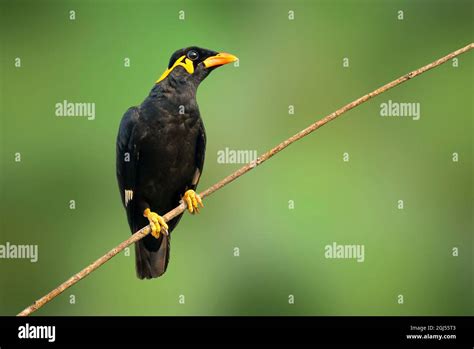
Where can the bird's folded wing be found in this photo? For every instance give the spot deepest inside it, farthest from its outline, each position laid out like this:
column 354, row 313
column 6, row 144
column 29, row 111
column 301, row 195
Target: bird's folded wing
column 127, row 157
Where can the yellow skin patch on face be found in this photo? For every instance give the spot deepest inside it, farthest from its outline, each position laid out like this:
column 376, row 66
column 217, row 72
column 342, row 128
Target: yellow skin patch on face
column 188, row 65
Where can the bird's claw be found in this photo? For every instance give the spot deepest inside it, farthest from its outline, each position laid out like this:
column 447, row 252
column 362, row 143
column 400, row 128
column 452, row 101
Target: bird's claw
column 193, row 201
column 157, row 223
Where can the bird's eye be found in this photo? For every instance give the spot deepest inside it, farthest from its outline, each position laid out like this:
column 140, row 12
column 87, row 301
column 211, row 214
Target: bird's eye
column 193, row 55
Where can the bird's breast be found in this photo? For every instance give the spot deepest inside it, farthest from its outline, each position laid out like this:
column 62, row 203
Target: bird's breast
column 168, row 154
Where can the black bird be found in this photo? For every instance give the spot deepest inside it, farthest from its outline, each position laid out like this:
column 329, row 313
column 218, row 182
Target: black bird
column 160, row 154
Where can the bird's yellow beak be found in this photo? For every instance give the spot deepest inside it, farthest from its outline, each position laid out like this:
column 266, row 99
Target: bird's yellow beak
column 219, row 59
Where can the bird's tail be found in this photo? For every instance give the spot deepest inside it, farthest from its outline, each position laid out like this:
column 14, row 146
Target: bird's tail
column 152, row 256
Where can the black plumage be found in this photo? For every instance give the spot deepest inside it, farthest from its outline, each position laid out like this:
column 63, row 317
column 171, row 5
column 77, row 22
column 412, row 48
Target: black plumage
column 160, row 151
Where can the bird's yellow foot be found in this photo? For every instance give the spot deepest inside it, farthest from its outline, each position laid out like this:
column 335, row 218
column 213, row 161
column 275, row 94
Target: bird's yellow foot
column 193, row 201
column 157, row 223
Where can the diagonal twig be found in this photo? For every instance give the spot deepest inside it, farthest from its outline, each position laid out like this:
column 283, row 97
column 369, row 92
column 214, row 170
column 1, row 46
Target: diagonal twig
column 180, row 209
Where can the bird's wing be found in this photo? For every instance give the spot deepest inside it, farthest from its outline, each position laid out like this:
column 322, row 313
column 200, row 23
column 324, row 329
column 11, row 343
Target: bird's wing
column 127, row 158
column 200, row 153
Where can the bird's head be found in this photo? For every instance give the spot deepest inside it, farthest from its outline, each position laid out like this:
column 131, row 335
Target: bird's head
column 193, row 64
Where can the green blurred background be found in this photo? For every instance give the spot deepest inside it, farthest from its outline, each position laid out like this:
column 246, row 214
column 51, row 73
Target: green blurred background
column 407, row 252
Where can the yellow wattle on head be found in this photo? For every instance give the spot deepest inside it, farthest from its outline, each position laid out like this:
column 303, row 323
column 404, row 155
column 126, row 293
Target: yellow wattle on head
column 188, row 65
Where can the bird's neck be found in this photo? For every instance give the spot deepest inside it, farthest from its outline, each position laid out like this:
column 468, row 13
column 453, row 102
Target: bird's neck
column 175, row 94
column 177, row 84
column 180, row 81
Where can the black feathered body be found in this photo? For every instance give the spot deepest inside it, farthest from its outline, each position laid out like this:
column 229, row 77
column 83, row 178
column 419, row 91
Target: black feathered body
column 165, row 140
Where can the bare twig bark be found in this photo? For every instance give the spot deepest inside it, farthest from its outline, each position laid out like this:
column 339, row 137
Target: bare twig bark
column 179, row 209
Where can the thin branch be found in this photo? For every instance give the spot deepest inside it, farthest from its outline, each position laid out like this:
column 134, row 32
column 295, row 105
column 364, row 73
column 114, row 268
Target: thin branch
column 180, row 209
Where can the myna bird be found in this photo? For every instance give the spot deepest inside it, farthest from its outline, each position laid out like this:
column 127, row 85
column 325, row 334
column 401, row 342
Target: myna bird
column 160, row 154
